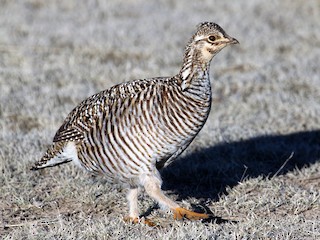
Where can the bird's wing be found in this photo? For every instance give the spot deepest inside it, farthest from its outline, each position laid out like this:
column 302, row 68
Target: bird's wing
column 68, row 134
column 82, row 118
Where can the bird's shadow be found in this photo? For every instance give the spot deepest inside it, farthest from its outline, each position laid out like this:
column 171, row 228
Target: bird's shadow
column 205, row 174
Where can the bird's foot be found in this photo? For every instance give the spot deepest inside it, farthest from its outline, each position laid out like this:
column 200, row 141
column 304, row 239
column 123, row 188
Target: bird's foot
column 179, row 213
column 135, row 220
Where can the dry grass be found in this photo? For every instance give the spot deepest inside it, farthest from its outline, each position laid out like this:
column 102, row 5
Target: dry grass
column 255, row 165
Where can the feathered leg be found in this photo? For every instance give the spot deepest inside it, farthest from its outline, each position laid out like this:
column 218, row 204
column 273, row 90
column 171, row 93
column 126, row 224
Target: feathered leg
column 132, row 197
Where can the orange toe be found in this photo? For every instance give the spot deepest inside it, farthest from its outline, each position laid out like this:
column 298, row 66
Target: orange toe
column 131, row 220
column 149, row 223
column 135, row 220
column 179, row 213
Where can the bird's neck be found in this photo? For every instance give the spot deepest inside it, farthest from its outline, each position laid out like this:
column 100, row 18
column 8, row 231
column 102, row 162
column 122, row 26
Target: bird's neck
column 194, row 73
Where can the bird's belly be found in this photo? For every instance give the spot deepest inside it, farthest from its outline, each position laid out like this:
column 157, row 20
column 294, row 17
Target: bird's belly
column 124, row 158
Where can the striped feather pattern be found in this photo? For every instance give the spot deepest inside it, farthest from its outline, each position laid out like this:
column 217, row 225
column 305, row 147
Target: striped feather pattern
column 148, row 122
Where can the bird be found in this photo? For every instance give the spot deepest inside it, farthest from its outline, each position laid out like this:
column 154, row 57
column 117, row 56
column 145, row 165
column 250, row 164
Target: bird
column 127, row 133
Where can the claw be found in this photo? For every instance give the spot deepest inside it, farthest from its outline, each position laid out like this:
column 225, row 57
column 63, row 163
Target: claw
column 179, row 213
column 149, row 223
column 131, row 220
column 139, row 220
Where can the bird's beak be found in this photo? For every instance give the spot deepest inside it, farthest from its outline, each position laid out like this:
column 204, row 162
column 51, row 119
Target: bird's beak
column 231, row 40
column 228, row 40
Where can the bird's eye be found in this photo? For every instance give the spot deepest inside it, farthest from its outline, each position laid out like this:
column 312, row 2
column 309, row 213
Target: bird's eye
column 212, row 38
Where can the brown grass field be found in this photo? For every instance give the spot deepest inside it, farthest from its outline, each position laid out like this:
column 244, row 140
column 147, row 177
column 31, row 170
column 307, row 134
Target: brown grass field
column 256, row 164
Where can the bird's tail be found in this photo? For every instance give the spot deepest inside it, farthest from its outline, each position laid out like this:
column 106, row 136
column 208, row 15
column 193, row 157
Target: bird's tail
column 58, row 153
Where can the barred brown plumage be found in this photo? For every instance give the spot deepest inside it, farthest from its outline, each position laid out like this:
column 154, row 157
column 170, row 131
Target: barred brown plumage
column 130, row 131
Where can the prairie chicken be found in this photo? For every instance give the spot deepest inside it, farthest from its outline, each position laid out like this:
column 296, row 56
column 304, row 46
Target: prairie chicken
column 130, row 131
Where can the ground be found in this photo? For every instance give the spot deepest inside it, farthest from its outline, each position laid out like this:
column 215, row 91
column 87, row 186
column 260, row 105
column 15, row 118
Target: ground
column 255, row 165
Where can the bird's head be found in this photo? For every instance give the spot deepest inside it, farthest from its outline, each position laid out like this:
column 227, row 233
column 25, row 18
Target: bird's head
column 208, row 40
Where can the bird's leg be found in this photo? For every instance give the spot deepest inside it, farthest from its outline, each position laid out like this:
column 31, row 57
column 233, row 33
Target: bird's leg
column 132, row 197
column 152, row 186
